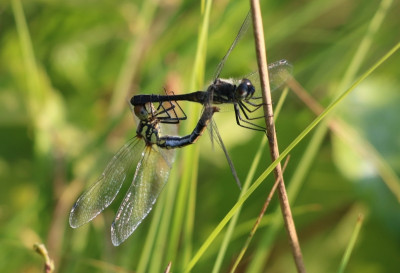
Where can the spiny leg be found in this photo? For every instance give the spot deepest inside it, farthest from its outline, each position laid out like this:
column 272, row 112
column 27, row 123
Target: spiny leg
column 239, row 119
column 172, row 119
column 246, row 109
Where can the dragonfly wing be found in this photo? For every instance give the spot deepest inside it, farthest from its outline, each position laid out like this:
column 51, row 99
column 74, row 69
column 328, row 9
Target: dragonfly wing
column 101, row 194
column 214, row 134
column 242, row 31
column 150, row 177
column 279, row 72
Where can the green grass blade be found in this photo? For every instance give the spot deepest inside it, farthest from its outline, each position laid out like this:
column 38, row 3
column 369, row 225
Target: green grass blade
column 264, row 247
column 150, row 257
column 250, row 175
column 133, row 54
column 291, row 146
column 35, row 92
column 262, row 252
column 350, row 246
column 189, row 157
column 365, row 44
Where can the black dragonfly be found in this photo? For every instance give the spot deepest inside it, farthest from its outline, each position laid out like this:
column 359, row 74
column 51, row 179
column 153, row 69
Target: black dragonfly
column 242, row 94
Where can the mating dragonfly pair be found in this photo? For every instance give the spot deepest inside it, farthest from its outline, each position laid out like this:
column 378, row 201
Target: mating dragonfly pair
column 153, row 153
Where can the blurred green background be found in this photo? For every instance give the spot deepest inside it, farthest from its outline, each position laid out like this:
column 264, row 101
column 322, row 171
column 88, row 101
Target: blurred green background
column 68, row 68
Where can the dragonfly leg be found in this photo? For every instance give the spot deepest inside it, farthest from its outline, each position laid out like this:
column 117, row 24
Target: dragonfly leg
column 240, row 119
column 256, row 106
column 167, row 109
column 246, row 109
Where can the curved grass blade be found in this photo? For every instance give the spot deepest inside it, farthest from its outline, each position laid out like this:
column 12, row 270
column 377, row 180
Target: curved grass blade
column 271, row 167
column 352, row 242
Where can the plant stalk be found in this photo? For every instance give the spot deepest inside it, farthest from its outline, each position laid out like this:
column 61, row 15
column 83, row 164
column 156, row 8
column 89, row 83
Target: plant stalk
column 271, row 133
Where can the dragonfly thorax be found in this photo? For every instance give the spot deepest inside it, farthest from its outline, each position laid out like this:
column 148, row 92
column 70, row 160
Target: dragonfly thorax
column 149, row 132
column 245, row 90
column 149, row 127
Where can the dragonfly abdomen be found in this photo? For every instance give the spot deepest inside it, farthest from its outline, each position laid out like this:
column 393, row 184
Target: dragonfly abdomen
column 170, row 142
column 198, row 96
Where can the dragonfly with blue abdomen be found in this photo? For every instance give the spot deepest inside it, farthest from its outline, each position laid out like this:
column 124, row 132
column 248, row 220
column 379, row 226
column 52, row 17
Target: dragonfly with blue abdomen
column 242, row 94
column 152, row 153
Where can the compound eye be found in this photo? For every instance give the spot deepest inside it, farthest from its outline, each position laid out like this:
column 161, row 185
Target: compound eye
column 241, row 91
column 246, row 82
column 245, row 89
column 250, row 88
column 141, row 112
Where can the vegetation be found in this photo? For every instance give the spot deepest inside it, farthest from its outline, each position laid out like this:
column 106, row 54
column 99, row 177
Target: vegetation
column 67, row 70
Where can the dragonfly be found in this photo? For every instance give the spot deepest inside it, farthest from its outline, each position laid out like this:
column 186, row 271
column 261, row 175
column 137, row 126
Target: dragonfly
column 242, row 94
column 153, row 154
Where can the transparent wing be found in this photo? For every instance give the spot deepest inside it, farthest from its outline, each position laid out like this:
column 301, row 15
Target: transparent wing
column 101, row 194
column 150, row 177
column 214, row 134
column 279, row 72
column 242, row 31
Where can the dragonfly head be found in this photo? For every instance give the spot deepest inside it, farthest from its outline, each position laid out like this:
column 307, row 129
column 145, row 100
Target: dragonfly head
column 245, row 90
column 141, row 112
